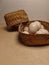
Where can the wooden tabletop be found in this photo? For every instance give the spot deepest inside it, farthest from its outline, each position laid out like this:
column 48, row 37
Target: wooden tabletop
column 12, row 52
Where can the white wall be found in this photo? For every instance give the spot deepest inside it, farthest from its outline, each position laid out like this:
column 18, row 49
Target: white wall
column 36, row 9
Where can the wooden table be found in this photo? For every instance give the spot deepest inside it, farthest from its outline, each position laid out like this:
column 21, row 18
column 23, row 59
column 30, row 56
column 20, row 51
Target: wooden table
column 12, row 52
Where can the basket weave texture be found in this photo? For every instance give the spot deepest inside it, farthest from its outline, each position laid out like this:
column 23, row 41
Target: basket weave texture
column 32, row 39
column 15, row 18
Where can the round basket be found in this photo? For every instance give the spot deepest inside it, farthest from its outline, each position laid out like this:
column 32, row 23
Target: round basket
column 31, row 39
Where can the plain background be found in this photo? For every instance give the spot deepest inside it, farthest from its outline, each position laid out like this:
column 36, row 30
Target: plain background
column 36, row 9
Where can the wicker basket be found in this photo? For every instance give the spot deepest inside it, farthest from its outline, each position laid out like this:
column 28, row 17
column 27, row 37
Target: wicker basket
column 31, row 39
column 15, row 18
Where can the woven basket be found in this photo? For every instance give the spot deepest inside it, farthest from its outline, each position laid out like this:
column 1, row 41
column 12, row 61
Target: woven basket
column 32, row 39
column 15, row 18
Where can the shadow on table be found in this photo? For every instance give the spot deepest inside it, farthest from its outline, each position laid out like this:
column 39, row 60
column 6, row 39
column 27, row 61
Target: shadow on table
column 11, row 29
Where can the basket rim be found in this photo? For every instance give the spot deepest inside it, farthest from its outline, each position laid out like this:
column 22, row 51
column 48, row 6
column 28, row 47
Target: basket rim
column 32, row 34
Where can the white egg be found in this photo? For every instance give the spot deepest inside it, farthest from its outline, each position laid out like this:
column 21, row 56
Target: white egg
column 25, row 32
column 34, row 26
column 42, row 31
column 26, row 29
column 42, row 26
